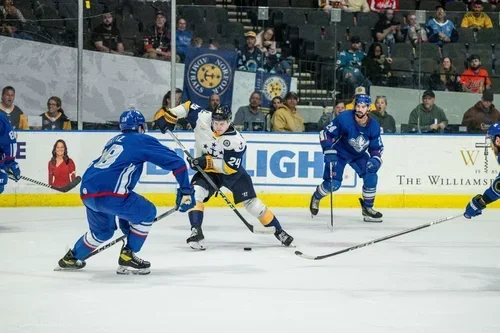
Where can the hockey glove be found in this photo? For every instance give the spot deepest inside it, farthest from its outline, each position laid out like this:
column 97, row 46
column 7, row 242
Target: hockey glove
column 185, row 199
column 165, row 120
column 330, row 157
column 373, row 164
column 204, row 162
column 475, row 207
column 4, row 178
column 13, row 169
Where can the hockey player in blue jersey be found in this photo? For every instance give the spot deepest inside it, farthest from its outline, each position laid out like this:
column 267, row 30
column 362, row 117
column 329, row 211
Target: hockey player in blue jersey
column 219, row 150
column 492, row 193
column 8, row 164
column 107, row 191
column 352, row 138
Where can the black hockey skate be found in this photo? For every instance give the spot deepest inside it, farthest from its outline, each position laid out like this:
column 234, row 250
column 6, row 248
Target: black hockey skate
column 370, row 214
column 195, row 241
column 69, row 262
column 314, row 205
column 284, row 237
column 129, row 263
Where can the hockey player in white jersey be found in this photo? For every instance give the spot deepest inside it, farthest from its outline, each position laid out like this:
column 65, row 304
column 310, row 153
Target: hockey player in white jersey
column 219, row 150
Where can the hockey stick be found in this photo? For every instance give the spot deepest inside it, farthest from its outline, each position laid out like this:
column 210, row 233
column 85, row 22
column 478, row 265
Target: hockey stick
column 330, row 226
column 305, row 256
column 122, row 238
column 63, row 189
column 270, row 230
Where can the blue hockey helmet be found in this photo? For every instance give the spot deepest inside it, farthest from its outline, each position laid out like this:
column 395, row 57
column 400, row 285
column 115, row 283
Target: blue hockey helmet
column 363, row 99
column 494, row 130
column 222, row 112
column 131, row 119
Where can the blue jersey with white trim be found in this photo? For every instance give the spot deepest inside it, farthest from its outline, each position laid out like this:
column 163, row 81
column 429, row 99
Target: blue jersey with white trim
column 8, row 143
column 117, row 171
column 349, row 140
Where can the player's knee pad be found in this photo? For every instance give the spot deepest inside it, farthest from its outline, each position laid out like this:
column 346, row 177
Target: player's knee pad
column 496, row 186
column 370, row 180
column 200, row 193
column 329, row 186
column 255, row 207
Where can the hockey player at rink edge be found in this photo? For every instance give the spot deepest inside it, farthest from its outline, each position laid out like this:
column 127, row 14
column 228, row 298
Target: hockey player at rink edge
column 219, row 150
column 107, row 192
column 8, row 164
column 352, row 138
column 492, row 193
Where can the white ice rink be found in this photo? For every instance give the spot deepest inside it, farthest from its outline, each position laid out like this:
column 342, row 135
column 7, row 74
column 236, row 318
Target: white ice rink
column 445, row 278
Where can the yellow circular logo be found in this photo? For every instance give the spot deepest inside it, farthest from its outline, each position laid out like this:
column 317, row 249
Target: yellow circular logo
column 209, row 76
column 275, row 86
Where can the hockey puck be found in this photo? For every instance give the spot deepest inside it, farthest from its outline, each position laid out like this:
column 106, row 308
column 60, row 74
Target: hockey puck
column 247, row 248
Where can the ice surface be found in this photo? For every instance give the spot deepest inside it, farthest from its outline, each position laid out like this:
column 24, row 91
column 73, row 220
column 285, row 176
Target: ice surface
column 441, row 279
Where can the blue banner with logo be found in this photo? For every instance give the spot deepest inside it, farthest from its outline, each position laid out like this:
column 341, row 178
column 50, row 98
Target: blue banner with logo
column 272, row 85
column 209, row 72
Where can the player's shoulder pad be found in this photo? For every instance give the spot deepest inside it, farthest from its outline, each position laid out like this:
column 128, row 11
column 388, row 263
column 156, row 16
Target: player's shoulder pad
column 233, row 141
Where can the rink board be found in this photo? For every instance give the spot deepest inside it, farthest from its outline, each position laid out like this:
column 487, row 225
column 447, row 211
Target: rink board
column 434, row 171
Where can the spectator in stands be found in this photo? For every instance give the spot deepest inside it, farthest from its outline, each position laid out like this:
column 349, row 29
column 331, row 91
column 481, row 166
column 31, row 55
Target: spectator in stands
column 197, row 42
column 359, row 91
column 165, row 105
column 276, row 103
column 213, row 44
column 413, row 32
column 251, row 116
column 475, row 79
column 446, row 77
column 381, row 5
column 386, row 121
column 476, row 19
column 182, row 38
column 11, row 28
column 286, row 118
column 107, row 38
column 377, row 67
column 327, row 116
column 479, row 117
column 16, row 116
column 356, row 6
column 387, row 30
column 213, row 102
column 327, row 5
column 62, row 170
column 7, row 8
column 427, row 117
column 265, row 41
column 157, row 40
column 440, row 30
column 494, row 4
column 54, row 118
column 349, row 65
column 250, row 58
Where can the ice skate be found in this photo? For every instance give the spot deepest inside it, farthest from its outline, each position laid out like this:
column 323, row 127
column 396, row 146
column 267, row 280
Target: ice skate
column 284, row 237
column 129, row 263
column 314, row 205
column 370, row 214
column 196, row 240
column 69, row 262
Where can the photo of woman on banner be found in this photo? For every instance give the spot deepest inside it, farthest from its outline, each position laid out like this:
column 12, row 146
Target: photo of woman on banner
column 61, row 168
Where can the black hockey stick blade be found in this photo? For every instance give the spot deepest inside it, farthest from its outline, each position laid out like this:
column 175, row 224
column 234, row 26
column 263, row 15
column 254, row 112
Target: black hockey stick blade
column 63, row 189
column 407, row 231
column 122, row 238
column 266, row 231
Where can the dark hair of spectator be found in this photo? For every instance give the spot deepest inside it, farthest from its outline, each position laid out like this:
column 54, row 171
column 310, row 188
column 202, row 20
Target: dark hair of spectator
column 256, row 92
column 271, row 108
column 338, row 101
column 167, row 96
column 181, row 18
column 5, row 89
column 440, row 6
column 58, row 102
column 371, row 50
column 273, row 37
column 65, row 156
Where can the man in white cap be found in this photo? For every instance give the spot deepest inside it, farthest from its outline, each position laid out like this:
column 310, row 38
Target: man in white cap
column 359, row 91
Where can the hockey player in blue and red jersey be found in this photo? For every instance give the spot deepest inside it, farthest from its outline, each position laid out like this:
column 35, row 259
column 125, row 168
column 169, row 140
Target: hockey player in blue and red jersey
column 352, row 138
column 219, row 150
column 492, row 193
column 8, row 164
column 107, row 191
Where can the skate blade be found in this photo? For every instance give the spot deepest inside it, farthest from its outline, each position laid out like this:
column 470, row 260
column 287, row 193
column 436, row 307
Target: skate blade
column 372, row 219
column 69, row 269
column 124, row 270
column 198, row 246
